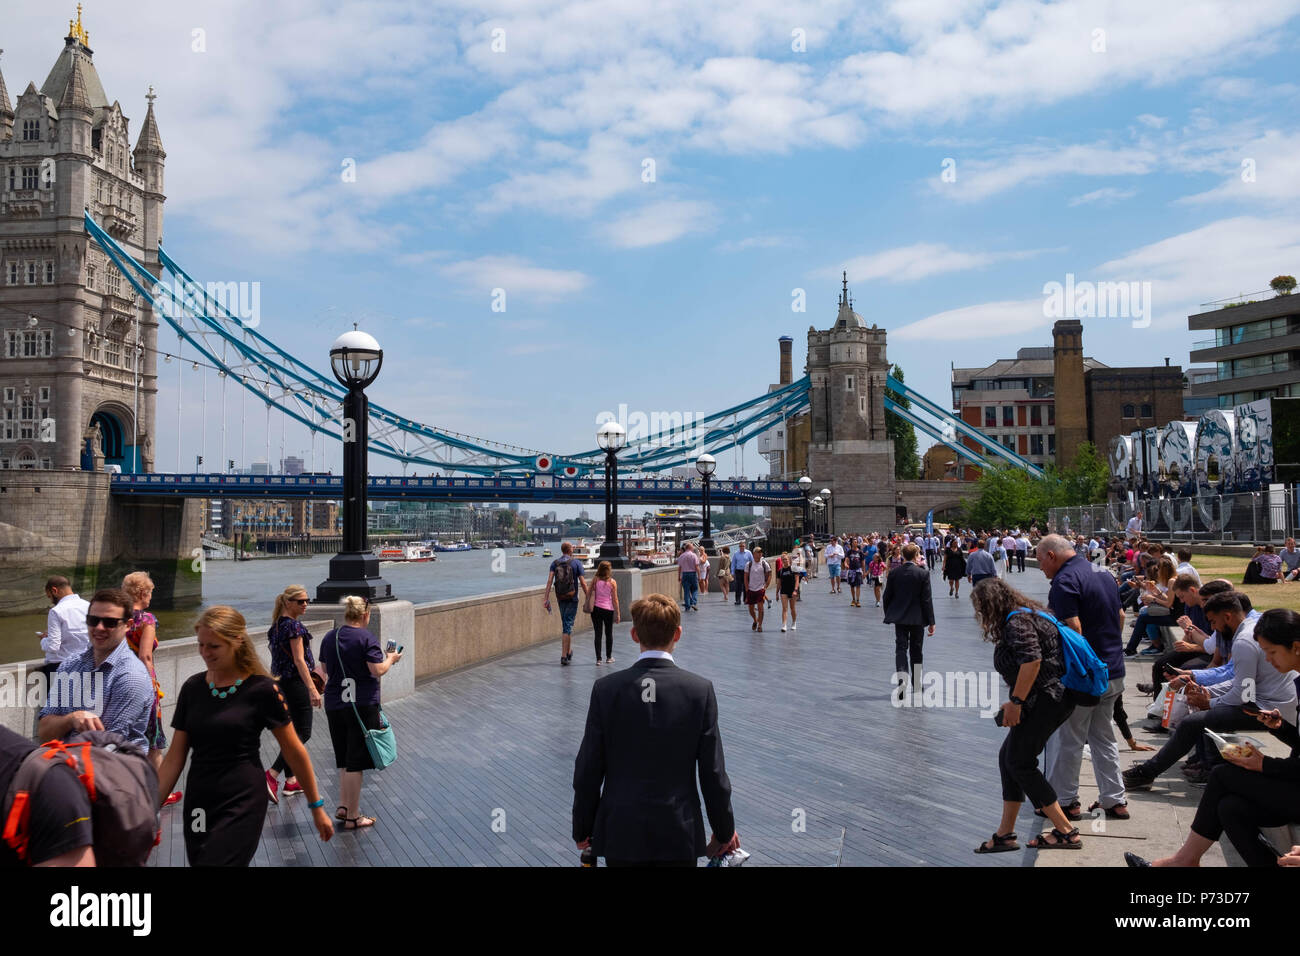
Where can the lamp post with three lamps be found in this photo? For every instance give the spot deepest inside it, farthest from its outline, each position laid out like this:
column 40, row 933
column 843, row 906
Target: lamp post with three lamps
column 705, row 465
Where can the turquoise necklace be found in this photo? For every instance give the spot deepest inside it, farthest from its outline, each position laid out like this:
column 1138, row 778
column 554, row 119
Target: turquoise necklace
column 222, row 694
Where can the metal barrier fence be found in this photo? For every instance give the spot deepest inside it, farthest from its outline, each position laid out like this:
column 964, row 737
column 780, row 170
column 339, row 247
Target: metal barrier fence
column 1268, row 515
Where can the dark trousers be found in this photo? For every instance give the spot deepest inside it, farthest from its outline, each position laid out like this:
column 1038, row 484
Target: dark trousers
column 1239, row 802
column 1020, row 560
column 1188, row 734
column 1183, row 660
column 737, row 585
column 602, row 618
column 298, row 699
column 907, row 639
column 1018, row 758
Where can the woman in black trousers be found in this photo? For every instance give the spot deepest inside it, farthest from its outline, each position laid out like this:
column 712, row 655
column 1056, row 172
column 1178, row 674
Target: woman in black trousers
column 1258, row 791
column 1027, row 654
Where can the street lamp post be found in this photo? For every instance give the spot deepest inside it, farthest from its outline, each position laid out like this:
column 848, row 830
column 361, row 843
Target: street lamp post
column 826, row 501
column 705, row 465
column 819, row 507
column 805, row 483
column 355, row 359
column 611, row 437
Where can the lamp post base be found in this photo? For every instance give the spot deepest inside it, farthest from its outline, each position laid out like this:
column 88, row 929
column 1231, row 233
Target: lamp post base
column 353, row 572
column 612, row 552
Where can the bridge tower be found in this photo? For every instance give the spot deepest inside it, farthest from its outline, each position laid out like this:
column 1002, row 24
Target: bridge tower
column 73, row 336
column 849, row 450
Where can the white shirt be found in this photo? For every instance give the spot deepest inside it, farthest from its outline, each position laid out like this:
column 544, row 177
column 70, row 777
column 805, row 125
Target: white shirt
column 1186, row 568
column 1134, row 524
column 1022, row 544
column 664, row 655
column 65, row 629
column 757, row 575
column 834, row 554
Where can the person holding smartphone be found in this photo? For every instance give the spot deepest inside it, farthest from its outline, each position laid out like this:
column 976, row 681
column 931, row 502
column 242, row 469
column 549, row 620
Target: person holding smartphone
column 1251, row 791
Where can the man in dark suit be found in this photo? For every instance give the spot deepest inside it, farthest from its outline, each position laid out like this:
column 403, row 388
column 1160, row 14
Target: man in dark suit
column 648, row 728
column 909, row 608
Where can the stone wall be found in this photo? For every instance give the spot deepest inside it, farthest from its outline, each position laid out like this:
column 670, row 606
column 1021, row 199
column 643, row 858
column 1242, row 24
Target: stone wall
column 446, row 635
column 66, row 522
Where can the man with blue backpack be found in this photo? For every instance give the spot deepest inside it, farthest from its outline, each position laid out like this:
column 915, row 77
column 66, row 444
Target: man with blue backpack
column 1086, row 601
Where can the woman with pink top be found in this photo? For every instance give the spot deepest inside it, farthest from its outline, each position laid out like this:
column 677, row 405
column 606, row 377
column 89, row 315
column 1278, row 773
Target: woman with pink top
column 604, row 610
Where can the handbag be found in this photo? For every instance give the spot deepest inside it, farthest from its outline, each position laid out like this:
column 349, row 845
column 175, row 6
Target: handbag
column 589, row 602
column 381, row 744
column 317, row 681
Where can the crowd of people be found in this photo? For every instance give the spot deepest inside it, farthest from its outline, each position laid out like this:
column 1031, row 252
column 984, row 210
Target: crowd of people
column 220, row 715
column 1064, row 662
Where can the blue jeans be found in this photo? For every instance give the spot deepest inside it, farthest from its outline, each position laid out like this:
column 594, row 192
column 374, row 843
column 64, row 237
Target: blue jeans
column 690, row 588
column 568, row 611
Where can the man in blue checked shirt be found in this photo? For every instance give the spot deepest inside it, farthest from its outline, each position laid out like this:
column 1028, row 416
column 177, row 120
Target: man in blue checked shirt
column 123, row 701
column 739, row 563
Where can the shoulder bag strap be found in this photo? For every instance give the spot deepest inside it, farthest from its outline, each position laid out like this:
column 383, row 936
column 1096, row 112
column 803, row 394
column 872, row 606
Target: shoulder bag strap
column 338, row 650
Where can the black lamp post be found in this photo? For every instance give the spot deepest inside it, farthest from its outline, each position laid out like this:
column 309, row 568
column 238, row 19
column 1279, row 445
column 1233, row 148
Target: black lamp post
column 805, row 483
column 818, row 506
column 611, row 437
column 826, row 503
column 705, row 465
column 355, row 360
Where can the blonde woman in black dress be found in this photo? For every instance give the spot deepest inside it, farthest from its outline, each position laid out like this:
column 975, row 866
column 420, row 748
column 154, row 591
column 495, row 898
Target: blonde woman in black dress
column 220, row 715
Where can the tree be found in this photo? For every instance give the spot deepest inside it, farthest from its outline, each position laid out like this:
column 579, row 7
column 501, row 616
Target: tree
column 903, row 435
column 1283, row 285
column 1007, row 495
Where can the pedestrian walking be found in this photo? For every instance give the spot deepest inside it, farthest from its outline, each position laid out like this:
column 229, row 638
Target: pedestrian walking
column 142, row 636
column 954, row 567
column 788, row 589
column 294, row 668
column 724, row 574
column 758, row 577
column 688, row 565
column 220, row 716
column 352, row 653
column 602, row 605
column 739, row 565
column 909, row 607
column 875, row 574
column 566, row 577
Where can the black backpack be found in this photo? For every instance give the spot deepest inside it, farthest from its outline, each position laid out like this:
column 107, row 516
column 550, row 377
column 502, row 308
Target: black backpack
column 566, row 588
column 121, row 784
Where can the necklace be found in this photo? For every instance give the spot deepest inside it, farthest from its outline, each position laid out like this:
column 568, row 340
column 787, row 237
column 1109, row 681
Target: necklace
column 222, row 694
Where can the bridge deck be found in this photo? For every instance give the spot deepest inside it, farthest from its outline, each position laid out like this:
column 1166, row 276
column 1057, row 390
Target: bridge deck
column 806, row 723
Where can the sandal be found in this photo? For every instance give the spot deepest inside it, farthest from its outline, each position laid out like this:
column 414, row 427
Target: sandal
column 341, row 813
column 1073, row 813
column 360, row 823
column 1001, row 844
column 1118, row 812
column 1060, row 841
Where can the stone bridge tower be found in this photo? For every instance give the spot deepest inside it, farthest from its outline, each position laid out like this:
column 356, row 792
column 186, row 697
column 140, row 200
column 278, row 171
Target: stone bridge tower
column 849, row 451
column 78, row 370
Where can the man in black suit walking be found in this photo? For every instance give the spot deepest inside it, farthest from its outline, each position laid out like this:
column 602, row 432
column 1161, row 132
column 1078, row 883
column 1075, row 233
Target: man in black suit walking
column 648, row 728
column 909, row 608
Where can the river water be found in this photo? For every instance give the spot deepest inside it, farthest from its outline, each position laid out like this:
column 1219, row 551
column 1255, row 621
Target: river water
column 251, row 587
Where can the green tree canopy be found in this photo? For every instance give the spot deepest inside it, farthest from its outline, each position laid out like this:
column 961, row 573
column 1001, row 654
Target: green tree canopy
column 903, row 435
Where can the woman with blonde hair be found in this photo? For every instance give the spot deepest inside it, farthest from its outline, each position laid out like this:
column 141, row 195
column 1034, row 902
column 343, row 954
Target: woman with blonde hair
column 293, row 666
column 604, row 609
column 221, row 714
column 142, row 636
column 724, row 574
column 353, row 654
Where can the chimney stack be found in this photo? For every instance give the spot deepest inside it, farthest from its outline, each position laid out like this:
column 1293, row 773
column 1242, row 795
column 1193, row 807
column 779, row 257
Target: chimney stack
column 787, row 367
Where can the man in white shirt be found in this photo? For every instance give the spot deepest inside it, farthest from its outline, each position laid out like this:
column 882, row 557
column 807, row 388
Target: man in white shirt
column 1022, row 549
column 1009, row 546
column 1185, row 564
column 1134, row 525
column 65, row 635
column 834, row 555
column 1290, row 560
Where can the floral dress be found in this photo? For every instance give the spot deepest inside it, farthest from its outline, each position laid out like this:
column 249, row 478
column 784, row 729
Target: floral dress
column 154, row 729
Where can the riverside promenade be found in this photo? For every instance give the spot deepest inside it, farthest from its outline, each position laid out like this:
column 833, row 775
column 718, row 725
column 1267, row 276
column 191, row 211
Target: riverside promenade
column 825, row 770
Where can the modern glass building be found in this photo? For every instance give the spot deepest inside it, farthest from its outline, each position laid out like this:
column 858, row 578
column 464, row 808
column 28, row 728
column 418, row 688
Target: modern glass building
column 1255, row 349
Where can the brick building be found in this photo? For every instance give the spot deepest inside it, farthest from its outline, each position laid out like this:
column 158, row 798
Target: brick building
column 1047, row 401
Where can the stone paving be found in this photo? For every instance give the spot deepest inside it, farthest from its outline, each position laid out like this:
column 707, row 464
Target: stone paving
column 825, row 770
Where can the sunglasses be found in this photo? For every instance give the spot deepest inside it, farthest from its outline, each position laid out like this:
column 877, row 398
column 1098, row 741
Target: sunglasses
column 300, row 600
column 94, row 620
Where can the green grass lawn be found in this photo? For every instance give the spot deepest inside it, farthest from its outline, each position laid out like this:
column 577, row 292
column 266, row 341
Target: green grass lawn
column 1262, row 596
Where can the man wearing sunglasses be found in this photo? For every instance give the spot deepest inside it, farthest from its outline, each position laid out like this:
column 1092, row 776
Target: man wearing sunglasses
column 120, row 700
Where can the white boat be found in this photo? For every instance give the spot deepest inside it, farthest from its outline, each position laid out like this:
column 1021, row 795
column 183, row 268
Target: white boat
column 458, row 546
column 588, row 554
column 405, row 554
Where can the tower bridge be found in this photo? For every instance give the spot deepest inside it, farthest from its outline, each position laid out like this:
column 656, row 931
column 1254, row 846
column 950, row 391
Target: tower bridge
column 87, row 286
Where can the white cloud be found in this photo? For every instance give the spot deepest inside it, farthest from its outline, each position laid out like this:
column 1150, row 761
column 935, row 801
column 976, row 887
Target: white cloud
column 1105, row 196
column 979, row 179
column 756, row 242
column 1155, row 122
column 517, row 276
column 917, row 261
column 1266, row 169
column 984, row 321
column 658, row 223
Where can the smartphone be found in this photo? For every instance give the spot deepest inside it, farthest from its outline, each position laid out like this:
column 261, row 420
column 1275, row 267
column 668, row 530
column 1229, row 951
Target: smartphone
column 997, row 718
column 1271, row 848
column 1251, row 707
column 400, row 649
column 1171, row 670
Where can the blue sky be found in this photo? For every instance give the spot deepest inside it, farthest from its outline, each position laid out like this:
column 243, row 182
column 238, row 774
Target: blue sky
column 1101, row 139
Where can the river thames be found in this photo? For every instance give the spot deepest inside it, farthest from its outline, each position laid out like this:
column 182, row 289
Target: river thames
column 251, row 587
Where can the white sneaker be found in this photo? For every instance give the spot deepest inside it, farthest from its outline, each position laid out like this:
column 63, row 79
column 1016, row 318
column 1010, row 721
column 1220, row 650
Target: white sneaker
column 794, row 627
column 782, row 628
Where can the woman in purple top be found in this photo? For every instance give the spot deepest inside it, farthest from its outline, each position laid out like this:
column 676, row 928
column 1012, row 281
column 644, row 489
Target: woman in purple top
column 142, row 636
column 292, row 665
column 354, row 661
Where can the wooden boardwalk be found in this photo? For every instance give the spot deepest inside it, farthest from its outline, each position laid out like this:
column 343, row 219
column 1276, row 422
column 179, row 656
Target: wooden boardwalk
column 807, row 724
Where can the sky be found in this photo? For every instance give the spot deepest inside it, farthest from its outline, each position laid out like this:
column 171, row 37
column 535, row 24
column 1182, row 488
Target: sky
column 658, row 188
